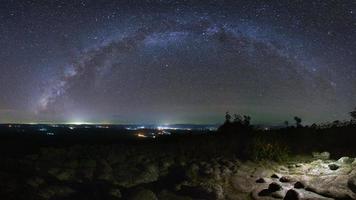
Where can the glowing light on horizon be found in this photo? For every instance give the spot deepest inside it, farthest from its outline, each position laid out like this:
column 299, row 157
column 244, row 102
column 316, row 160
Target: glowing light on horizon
column 80, row 123
column 141, row 135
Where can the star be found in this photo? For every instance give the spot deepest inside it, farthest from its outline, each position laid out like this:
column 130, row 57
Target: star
column 117, row 61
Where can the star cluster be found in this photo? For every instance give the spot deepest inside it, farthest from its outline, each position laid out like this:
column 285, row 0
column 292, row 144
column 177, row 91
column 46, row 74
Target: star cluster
column 176, row 61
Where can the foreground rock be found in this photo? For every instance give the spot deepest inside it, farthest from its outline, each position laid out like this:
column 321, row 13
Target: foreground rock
column 55, row 192
column 314, row 180
column 321, row 155
column 143, row 194
column 117, row 177
column 292, row 195
column 351, row 183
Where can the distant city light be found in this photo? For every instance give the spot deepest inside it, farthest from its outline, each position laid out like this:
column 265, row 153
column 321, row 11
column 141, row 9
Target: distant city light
column 79, row 123
column 141, row 135
column 101, row 126
column 42, row 129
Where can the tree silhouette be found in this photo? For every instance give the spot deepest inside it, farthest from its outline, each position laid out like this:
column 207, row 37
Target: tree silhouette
column 314, row 126
column 239, row 125
column 353, row 115
column 286, row 123
column 336, row 123
column 237, row 118
column 227, row 117
column 247, row 120
column 298, row 121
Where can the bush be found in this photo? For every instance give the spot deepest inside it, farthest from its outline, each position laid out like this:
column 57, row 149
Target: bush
column 267, row 149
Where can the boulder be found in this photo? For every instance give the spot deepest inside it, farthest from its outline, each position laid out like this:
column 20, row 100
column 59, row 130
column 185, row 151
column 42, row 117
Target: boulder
column 150, row 173
column 291, row 195
column 329, row 187
column 35, row 182
column 206, row 171
column 143, row 194
column 287, row 179
column 345, row 160
column 115, row 193
column 279, row 194
column 275, row 176
column 55, row 191
column 242, row 183
column 354, row 162
column 104, row 171
column 298, row 165
column 321, row 155
column 264, row 192
column 260, row 180
column 192, row 171
column 333, row 166
column 86, row 169
column 165, row 195
column 86, row 173
column 273, row 187
column 130, row 176
column 351, row 184
column 200, row 192
column 62, row 174
column 165, row 164
column 299, row 185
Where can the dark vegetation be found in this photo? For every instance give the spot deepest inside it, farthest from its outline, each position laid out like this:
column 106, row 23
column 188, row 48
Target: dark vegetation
column 94, row 158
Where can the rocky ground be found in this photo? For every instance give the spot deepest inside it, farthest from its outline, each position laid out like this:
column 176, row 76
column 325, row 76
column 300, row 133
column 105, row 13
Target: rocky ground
column 60, row 174
column 319, row 179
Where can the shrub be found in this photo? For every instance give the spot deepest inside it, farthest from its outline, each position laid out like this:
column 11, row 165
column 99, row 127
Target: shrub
column 267, row 149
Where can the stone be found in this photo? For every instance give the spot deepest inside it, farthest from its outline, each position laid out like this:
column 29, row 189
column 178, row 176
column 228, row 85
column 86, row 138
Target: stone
column 143, row 194
column 298, row 165
column 333, row 166
column 345, row 160
column 165, row 195
column 218, row 191
column 354, row 162
column 274, row 176
column 55, row 191
column 321, row 155
column 66, row 175
column 264, row 192
column 62, row 174
column 329, row 187
column 243, row 184
column 192, row 171
column 35, row 182
column 133, row 176
column 283, row 169
column 299, row 185
column 351, row 183
column 207, row 171
column 284, row 179
column 199, row 192
column 273, row 187
column 115, row 193
column 104, row 171
column 86, row 173
column 278, row 195
column 260, row 180
column 291, row 195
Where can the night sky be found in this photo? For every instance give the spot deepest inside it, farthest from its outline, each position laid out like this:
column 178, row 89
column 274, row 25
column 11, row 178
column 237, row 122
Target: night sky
column 176, row 61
